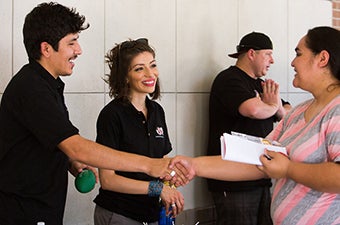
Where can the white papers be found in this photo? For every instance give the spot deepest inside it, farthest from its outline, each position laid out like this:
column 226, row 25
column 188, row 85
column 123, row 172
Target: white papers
column 245, row 148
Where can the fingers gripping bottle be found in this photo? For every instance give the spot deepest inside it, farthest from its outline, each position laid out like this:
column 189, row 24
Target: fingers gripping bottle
column 163, row 218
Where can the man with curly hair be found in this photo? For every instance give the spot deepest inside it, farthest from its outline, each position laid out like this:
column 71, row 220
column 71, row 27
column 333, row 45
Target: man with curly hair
column 38, row 143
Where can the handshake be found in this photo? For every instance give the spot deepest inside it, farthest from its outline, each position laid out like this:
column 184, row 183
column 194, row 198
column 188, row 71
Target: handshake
column 179, row 170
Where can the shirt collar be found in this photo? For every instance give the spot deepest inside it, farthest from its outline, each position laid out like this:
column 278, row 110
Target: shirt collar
column 55, row 83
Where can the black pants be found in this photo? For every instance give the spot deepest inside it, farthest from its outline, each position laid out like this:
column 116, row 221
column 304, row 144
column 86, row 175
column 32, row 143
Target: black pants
column 243, row 208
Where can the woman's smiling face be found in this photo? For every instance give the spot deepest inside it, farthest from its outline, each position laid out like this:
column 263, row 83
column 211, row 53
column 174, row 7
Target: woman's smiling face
column 303, row 65
column 142, row 74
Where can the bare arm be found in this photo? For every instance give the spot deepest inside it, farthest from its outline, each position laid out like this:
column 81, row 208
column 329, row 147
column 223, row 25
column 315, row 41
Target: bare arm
column 255, row 108
column 324, row 177
column 216, row 168
column 264, row 106
column 283, row 110
column 91, row 153
column 110, row 181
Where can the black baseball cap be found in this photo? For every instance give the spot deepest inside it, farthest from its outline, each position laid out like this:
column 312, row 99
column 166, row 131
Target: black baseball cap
column 253, row 40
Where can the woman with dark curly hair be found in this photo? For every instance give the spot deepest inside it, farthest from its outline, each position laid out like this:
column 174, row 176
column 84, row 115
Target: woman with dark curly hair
column 133, row 122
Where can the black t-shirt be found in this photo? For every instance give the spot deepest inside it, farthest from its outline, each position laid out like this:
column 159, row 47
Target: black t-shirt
column 122, row 127
column 229, row 90
column 33, row 171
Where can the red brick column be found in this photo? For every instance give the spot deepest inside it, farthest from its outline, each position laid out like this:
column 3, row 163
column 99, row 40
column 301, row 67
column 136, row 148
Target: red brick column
column 336, row 14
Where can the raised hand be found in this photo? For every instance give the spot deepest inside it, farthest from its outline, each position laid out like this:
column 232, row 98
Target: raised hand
column 271, row 93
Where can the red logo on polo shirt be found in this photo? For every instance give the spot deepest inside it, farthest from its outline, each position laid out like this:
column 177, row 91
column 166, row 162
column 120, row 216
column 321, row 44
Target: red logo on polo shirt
column 159, row 131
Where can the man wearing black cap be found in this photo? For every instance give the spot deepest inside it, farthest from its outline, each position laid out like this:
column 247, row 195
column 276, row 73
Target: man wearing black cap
column 241, row 101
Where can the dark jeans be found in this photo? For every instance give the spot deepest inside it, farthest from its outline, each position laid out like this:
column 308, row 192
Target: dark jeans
column 243, row 208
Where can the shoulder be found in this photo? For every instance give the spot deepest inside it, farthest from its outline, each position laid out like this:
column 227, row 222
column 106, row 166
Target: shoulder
column 25, row 78
column 333, row 108
column 229, row 76
column 232, row 74
column 29, row 85
column 155, row 106
column 226, row 72
column 112, row 114
column 336, row 102
column 113, row 107
column 153, row 103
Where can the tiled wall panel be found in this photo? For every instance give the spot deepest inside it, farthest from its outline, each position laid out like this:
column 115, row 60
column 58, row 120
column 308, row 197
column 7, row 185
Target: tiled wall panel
column 192, row 39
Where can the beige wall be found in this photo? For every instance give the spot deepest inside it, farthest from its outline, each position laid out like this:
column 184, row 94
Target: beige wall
column 336, row 13
column 191, row 38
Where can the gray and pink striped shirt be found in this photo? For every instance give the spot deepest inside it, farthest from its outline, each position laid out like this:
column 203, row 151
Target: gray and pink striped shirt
column 315, row 141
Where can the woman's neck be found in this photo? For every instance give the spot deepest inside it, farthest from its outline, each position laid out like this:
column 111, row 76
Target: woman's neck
column 320, row 101
column 140, row 104
column 327, row 94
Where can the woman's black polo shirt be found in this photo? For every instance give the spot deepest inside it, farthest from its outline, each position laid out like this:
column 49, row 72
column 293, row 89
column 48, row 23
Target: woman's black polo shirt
column 122, row 127
column 33, row 171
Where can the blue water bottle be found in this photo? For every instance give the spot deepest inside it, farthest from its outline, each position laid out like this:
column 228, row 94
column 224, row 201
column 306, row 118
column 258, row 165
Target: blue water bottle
column 170, row 220
column 162, row 216
column 164, row 219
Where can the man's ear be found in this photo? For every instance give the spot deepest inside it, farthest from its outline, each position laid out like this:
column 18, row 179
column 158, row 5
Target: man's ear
column 45, row 49
column 251, row 54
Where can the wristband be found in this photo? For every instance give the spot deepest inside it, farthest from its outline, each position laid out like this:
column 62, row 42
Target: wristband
column 155, row 188
column 167, row 183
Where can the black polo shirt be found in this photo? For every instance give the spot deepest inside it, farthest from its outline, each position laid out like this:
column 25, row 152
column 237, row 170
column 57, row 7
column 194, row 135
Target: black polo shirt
column 122, row 127
column 33, row 171
column 229, row 90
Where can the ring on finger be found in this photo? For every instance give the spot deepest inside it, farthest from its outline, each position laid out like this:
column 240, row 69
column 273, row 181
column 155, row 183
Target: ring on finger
column 173, row 204
column 173, row 173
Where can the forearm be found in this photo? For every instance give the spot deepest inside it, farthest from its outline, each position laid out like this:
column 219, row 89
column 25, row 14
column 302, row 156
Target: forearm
column 324, row 177
column 113, row 182
column 216, row 168
column 94, row 154
column 255, row 108
column 265, row 111
column 283, row 111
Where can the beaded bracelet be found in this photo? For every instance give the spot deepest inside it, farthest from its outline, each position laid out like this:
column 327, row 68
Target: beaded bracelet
column 155, row 188
column 167, row 183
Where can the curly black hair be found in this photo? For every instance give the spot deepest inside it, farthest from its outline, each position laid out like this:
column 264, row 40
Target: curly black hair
column 50, row 22
column 119, row 59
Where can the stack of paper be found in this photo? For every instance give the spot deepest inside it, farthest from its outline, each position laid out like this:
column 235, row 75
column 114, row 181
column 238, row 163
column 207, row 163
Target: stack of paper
column 245, row 148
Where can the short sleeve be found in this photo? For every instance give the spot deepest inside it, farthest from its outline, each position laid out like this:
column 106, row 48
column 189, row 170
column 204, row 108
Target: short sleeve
column 41, row 114
column 332, row 131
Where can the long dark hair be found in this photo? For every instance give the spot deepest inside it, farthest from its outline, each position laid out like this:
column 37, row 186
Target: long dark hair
column 326, row 38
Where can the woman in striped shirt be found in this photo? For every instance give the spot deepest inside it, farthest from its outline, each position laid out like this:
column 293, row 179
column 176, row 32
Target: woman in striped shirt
column 307, row 187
